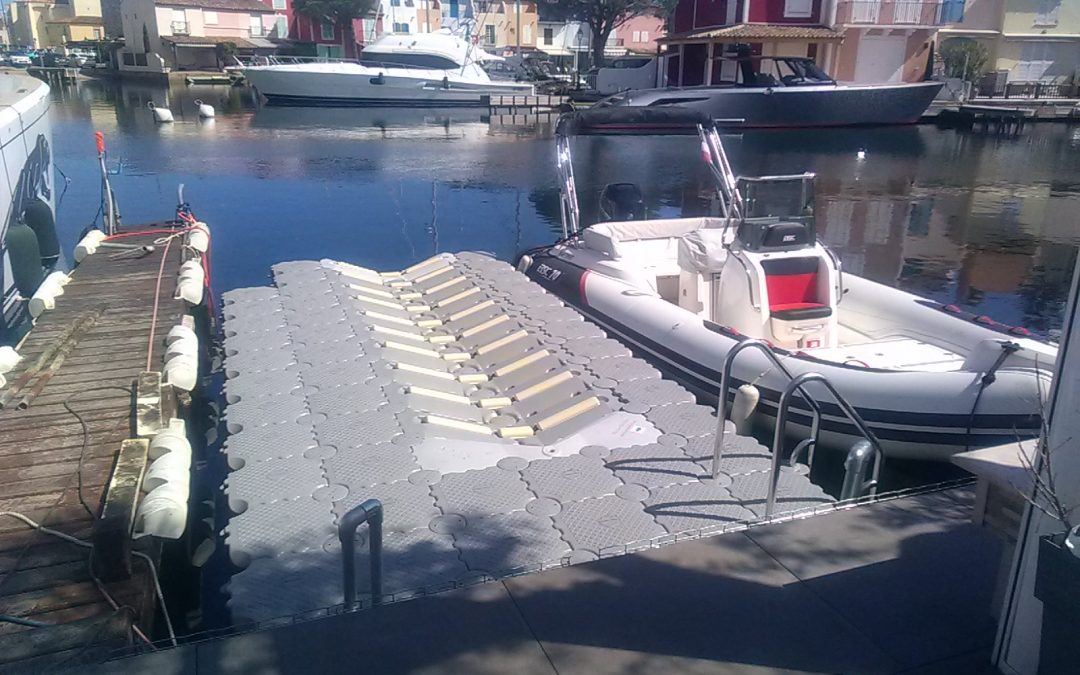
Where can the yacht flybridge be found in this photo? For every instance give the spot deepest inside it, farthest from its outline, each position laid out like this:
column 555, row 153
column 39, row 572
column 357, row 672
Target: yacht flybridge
column 927, row 379
column 436, row 69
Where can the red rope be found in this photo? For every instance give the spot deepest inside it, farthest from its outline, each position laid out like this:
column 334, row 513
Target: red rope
column 153, row 314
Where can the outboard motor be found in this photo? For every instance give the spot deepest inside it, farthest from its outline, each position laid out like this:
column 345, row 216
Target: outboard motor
column 622, row 201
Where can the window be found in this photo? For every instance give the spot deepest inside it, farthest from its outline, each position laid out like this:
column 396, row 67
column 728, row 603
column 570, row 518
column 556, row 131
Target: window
column 526, row 33
column 330, row 51
column 209, row 18
column 1036, row 58
column 97, row 33
column 401, row 27
column 798, row 9
column 549, row 35
column 281, row 4
column 481, row 6
column 1046, row 14
column 636, row 36
column 453, row 9
column 644, row 36
column 327, row 31
column 395, row 3
column 281, row 27
column 489, row 34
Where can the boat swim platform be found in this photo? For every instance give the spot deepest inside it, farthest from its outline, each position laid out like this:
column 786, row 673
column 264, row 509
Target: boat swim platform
column 49, row 460
column 501, row 431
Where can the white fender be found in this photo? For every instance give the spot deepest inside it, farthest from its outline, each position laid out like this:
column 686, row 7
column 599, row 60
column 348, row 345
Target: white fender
column 88, row 245
column 190, row 282
column 44, row 297
column 199, row 237
column 182, row 372
column 171, row 439
column 162, row 513
column 9, row 358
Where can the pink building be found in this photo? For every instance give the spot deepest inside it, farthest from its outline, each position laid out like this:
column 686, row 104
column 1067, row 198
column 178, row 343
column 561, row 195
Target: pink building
column 639, row 34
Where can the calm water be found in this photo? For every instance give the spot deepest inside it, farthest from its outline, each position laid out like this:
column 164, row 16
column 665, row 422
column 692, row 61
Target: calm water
column 983, row 222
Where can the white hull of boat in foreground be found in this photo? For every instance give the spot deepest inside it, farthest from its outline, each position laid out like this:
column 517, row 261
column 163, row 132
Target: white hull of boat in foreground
column 359, row 84
column 927, row 380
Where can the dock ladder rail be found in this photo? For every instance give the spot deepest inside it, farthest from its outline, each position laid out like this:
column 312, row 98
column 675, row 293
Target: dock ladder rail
column 370, row 512
column 854, row 485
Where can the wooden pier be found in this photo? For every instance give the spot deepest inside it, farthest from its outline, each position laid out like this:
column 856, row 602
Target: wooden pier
column 520, row 104
column 54, row 75
column 62, row 464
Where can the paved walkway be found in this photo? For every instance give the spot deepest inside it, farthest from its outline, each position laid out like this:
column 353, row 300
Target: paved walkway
column 897, row 587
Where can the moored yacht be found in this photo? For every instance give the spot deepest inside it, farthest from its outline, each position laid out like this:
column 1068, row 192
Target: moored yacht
column 436, row 69
column 925, row 379
column 775, row 91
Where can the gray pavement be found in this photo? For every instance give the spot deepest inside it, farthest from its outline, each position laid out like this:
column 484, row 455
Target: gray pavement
column 902, row 586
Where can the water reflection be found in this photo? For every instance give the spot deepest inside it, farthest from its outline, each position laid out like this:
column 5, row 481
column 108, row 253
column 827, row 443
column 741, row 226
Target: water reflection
column 975, row 220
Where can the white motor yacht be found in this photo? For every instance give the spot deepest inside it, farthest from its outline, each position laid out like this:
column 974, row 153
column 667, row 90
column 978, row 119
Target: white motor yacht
column 436, row 69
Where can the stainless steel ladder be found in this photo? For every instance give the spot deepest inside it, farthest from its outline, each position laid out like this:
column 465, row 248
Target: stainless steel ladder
column 854, row 486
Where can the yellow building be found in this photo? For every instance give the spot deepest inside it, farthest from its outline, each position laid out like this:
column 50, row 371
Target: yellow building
column 1040, row 41
column 43, row 24
column 498, row 22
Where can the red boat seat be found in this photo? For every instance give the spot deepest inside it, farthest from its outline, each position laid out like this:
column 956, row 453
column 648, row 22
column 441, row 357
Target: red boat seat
column 792, row 284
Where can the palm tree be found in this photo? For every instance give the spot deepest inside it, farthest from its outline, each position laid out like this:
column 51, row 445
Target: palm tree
column 341, row 14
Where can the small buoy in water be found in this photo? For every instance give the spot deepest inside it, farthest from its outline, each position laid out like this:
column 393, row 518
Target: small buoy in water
column 160, row 114
column 206, row 111
column 742, row 410
column 860, row 154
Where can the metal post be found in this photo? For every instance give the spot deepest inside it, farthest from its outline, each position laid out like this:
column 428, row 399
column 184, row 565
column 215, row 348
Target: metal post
column 370, row 512
column 855, row 466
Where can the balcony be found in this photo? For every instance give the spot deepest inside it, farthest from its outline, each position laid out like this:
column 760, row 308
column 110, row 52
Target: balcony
column 914, row 13
column 180, row 28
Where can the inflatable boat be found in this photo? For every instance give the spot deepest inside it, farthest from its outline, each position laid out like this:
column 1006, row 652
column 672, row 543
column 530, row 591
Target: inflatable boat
column 927, row 379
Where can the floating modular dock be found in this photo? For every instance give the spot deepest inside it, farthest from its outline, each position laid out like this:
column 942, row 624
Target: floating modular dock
column 501, row 431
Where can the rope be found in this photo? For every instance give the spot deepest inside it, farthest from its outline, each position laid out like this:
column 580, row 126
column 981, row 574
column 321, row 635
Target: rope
column 157, row 297
column 1007, row 349
column 101, row 587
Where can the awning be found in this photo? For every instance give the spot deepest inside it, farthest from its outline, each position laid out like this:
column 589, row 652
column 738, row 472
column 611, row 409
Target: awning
column 196, row 42
column 756, row 32
column 556, row 51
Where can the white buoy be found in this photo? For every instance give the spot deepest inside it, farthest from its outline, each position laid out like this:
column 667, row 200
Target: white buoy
column 161, row 115
column 742, row 410
column 89, row 244
column 199, row 237
column 206, row 111
column 9, row 358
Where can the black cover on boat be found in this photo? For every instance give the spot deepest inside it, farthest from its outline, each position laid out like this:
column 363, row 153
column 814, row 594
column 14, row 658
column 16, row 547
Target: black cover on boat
column 659, row 120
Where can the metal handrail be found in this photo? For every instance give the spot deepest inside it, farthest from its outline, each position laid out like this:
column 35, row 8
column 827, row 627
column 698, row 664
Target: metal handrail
column 725, row 382
column 370, row 512
column 796, row 384
column 568, row 208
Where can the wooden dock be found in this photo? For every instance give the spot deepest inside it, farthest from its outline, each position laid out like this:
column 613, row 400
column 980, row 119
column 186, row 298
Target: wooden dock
column 521, row 104
column 54, row 74
column 68, row 440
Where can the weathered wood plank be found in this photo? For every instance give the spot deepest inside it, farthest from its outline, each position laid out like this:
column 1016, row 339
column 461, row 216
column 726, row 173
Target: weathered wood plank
column 112, row 531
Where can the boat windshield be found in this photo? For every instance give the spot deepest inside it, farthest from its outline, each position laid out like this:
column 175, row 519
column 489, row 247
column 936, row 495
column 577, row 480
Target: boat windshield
column 415, row 60
column 789, row 198
column 765, row 71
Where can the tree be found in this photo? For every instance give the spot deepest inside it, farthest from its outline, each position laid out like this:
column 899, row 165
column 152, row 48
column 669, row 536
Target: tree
column 604, row 16
column 964, row 58
column 341, row 14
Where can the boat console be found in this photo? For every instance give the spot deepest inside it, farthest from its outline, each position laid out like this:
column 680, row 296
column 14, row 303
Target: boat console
column 778, row 282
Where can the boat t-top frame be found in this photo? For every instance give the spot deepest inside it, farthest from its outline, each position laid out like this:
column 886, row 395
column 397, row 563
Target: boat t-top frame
column 663, row 121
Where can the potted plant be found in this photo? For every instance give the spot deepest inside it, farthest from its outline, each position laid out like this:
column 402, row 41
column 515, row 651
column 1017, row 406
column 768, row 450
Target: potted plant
column 1057, row 573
